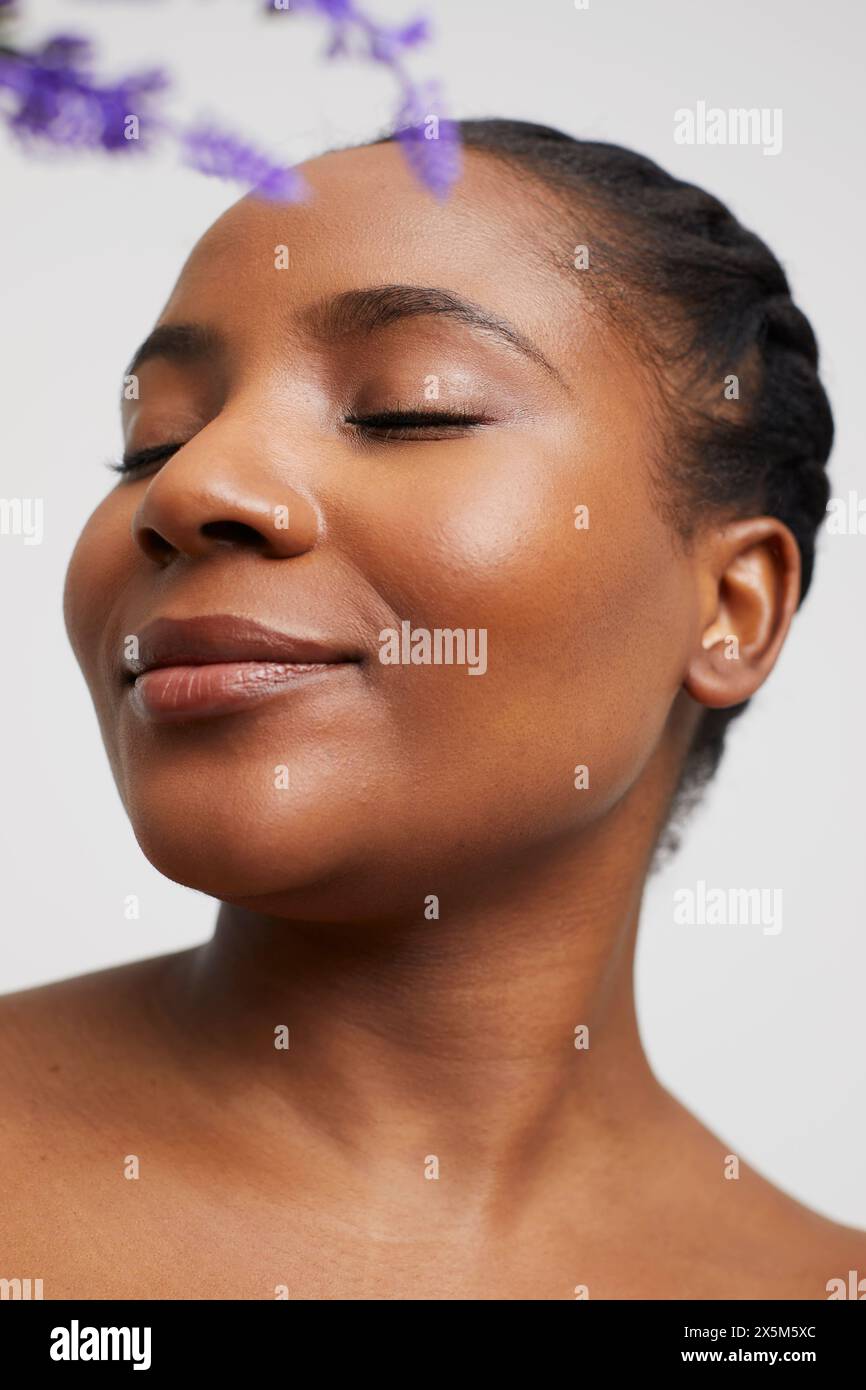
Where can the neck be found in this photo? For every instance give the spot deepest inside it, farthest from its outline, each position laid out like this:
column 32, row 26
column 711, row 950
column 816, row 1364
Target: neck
column 452, row 1037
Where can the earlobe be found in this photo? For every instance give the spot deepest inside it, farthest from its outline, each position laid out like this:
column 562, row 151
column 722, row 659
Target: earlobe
column 751, row 578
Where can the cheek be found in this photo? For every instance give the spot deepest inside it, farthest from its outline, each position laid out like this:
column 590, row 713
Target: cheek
column 98, row 577
column 586, row 628
column 101, row 566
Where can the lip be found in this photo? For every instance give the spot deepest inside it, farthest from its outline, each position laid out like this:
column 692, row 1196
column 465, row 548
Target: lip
column 197, row 668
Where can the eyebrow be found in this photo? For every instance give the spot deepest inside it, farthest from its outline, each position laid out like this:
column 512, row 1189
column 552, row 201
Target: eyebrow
column 178, row 342
column 354, row 311
column 363, row 311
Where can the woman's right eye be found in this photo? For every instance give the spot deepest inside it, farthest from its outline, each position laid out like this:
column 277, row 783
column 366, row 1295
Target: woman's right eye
column 412, row 424
column 137, row 460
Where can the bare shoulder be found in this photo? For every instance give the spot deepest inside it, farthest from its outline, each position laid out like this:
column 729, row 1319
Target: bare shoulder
column 819, row 1257
column 86, row 1087
column 34, row 1022
column 64, row 1042
column 760, row 1241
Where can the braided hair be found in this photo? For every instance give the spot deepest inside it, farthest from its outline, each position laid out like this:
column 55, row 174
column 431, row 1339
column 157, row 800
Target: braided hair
column 717, row 305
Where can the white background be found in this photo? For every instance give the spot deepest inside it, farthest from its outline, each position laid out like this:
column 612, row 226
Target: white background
column 763, row 1036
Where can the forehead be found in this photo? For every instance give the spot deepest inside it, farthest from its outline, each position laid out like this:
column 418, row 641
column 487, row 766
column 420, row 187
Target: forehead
column 367, row 221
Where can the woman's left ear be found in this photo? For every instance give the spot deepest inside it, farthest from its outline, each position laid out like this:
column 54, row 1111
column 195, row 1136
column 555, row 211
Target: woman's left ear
column 750, row 588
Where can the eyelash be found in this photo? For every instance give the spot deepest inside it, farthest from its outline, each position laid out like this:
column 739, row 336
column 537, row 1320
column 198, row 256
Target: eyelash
column 384, row 425
column 143, row 458
column 387, row 424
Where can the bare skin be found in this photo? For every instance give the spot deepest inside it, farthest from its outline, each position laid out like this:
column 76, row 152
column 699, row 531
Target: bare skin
column 415, row 1041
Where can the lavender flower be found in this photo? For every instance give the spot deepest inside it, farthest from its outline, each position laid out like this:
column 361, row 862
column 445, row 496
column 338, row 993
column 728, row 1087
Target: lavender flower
column 430, row 142
column 51, row 97
column 214, row 152
column 58, row 102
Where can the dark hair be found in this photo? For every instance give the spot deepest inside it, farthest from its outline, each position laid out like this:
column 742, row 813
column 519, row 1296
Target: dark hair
column 717, row 303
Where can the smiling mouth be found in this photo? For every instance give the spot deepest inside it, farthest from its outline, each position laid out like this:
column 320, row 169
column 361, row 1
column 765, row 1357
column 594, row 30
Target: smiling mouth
column 201, row 667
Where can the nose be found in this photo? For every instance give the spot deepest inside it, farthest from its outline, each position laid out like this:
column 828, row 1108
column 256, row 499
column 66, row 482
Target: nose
column 210, row 495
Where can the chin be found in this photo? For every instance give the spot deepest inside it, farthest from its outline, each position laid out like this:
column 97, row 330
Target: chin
column 243, row 846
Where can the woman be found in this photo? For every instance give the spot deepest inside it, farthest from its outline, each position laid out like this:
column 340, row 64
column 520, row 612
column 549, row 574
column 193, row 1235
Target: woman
column 563, row 434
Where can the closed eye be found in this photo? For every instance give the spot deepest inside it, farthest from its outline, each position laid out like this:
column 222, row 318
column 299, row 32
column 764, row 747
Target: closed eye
column 414, row 424
column 387, row 424
column 139, row 459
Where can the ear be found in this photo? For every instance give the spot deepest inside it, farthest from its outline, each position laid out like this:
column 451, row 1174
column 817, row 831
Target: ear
column 749, row 591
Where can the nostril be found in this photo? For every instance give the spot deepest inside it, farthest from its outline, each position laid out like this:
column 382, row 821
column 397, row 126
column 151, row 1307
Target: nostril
column 233, row 533
column 155, row 546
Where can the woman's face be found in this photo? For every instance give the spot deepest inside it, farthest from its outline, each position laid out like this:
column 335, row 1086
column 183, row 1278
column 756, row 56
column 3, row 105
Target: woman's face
column 361, row 785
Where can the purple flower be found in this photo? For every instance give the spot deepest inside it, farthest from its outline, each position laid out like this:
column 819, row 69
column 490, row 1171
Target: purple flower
column 221, row 155
column 430, row 142
column 56, row 100
column 418, row 31
column 334, row 9
column 50, row 96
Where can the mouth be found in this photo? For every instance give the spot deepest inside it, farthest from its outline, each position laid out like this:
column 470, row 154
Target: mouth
column 198, row 668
